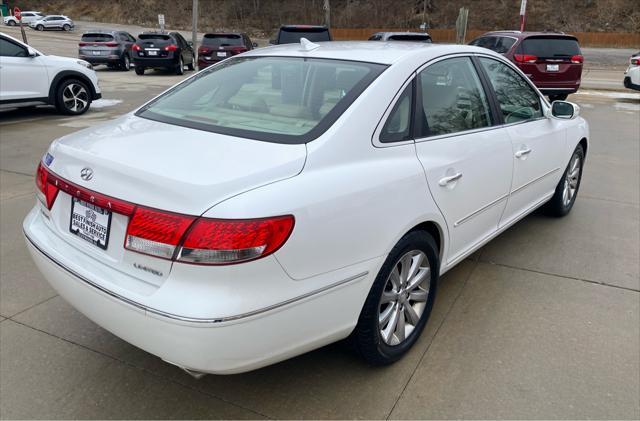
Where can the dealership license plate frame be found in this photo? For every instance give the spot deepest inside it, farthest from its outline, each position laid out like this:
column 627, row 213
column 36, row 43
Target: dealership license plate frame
column 81, row 232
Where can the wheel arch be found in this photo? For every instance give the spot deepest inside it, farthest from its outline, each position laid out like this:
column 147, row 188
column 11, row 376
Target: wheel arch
column 66, row 75
column 436, row 231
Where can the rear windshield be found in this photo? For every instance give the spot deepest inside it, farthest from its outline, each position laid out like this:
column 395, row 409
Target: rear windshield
column 97, row 37
column 551, row 46
column 155, row 36
column 500, row 45
column 274, row 99
column 222, row 40
column 419, row 38
column 293, row 35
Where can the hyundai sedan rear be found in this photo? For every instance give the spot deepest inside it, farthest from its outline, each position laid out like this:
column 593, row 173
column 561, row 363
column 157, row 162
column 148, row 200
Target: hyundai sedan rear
column 298, row 195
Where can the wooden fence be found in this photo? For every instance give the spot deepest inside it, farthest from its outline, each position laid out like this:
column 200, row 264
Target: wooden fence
column 586, row 39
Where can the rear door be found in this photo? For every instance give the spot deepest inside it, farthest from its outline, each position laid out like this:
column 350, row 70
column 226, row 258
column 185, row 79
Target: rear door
column 535, row 139
column 466, row 157
column 549, row 60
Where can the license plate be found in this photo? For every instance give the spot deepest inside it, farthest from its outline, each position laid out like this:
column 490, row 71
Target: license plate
column 90, row 222
column 221, row 54
column 152, row 53
column 553, row 67
column 207, row 57
column 97, row 53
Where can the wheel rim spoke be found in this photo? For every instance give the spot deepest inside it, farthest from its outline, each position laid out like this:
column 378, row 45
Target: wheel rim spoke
column 400, row 326
column 419, row 295
column 388, row 297
column 412, row 315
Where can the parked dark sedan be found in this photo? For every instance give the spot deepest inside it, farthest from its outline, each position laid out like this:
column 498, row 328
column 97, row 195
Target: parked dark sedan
column 112, row 48
column 218, row 46
column 162, row 51
column 552, row 60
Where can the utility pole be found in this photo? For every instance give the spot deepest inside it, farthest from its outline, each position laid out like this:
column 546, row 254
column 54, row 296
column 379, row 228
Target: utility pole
column 194, row 31
column 523, row 14
column 327, row 13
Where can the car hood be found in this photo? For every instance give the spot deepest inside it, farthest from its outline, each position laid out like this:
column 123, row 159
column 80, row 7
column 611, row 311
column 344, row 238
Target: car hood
column 171, row 167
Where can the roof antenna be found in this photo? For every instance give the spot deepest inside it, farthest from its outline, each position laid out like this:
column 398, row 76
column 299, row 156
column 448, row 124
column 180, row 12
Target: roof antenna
column 307, row 45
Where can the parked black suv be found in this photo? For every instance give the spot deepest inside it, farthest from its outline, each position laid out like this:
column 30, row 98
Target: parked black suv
column 162, row 51
column 112, row 48
column 291, row 34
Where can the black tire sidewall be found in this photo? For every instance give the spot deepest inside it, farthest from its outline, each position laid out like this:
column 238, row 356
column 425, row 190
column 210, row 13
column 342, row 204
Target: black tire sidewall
column 40, row 28
column 59, row 100
column 555, row 206
column 66, row 28
column 139, row 70
column 126, row 68
column 180, row 67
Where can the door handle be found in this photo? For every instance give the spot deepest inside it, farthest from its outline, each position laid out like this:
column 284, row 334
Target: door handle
column 523, row 152
column 450, row 179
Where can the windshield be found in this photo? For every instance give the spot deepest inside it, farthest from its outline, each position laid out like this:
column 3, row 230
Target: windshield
column 274, row 99
column 293, row 35
column 551, row 46
column 222, row 40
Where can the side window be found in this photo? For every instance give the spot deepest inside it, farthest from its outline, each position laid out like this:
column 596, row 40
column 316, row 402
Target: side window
column 398, row 125
column 130, row 37
column 9, row 49
column 453, row 99
column 504, row 44
column 485, row 42
column 375, row 38
column 518, row 100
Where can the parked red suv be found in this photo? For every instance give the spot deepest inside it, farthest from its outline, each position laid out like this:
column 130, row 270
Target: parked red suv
column 552, row 60
column 218, row 46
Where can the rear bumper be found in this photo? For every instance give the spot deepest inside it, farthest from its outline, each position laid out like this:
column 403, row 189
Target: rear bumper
column 204, row 63
column 155, row 62
column 110, row 59
column 222, row 345
column 630, row 85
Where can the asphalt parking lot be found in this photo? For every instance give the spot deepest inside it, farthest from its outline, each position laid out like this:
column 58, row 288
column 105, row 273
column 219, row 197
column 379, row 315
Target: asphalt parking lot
column 543, row 322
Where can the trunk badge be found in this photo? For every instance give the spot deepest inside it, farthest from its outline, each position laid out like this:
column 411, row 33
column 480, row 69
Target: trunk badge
column 86, row 174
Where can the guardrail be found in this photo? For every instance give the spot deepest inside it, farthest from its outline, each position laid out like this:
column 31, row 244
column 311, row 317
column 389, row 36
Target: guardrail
column 586, row 39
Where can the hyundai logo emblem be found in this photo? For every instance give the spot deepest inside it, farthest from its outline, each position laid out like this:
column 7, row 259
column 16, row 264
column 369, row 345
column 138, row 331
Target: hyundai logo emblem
column 86, row 174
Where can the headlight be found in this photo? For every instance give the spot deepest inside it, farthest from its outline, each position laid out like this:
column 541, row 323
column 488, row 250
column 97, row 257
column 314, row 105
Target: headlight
column 85, row 64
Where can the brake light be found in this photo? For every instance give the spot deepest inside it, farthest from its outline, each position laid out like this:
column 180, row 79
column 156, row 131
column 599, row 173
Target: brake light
column 136, row 47
column 82, row 44
column 635, row 61
column 204, row 50
column 171, row 47
column 525, row 58
column 47, row 191
column 156, row 233
column 577, row 59
column 238, row 50
column 223, row 241
column 111, row 44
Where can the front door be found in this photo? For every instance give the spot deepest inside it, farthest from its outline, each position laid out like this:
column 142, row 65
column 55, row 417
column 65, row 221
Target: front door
column 23, row 77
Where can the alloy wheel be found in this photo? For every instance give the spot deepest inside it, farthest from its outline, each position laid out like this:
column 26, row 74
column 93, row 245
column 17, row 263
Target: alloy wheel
column 571, row 180
column 404, row 297
column 75, row 97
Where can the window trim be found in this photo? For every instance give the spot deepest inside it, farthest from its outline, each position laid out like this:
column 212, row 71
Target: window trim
column 375, row 138
column 25, row 49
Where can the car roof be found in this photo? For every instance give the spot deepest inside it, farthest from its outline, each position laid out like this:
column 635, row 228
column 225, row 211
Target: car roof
column 366, row 51
column 402, row 33
column 224, row 33
column 303, row 27
column 527, row 34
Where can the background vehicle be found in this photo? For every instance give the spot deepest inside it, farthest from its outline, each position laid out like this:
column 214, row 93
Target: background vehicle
column 53, row 22
column 401, row 36
column 27, row 18
column 112, row 48
column 218, row 46
column 162, row 51
column 632, row 74
column 253, row 231
column 31, row 78
column 553, row 61
column 292, row 33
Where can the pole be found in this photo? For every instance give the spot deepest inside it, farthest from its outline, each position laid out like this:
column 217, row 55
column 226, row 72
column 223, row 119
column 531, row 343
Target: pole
column 327, row 13
column 194, row 30
column 523, row 14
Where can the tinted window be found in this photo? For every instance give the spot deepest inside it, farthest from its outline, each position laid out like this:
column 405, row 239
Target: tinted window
column 398, row 124
column 293, row 35
column 278, row 99
column 97, row 37
column 452, row 98
column 221, row 40
column 375, row 38
column 10, row 49
column 550, row 47
column 484, row 42
column 418, row 38
column 500, row 45
column 163, row 37
column 518, row 101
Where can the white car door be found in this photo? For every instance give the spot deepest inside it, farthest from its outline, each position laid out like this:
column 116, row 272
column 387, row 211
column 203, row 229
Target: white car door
column 467, row 158
column 21, row 76
column 537, row 141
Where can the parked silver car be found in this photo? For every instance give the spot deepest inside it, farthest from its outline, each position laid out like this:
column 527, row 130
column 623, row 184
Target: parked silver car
column 112, row 48
column 53, row 22
column 27, row 17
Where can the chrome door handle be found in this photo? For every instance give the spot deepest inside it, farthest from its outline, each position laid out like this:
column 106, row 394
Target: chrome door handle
column 450, row 179
column 523, row 152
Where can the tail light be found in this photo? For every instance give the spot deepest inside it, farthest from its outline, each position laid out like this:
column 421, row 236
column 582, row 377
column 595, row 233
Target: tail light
column 204, row 50
column 171, row 47
column 635, row 61
column 111, row 44
column 178, row 237
column 238, row 50
column 136, row 47
column 82, row 44
column 577, row 59
column 525, row 58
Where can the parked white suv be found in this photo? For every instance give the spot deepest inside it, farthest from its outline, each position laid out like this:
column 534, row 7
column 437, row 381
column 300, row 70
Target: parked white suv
column 27, row 18
column 632, row 74
column 29, row 77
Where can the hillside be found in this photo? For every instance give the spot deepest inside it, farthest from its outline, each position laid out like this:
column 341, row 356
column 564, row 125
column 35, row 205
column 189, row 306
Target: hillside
column 261, row 17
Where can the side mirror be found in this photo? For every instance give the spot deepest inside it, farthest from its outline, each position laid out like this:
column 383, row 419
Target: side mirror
column 31, row 52
column 564, row 110
column 255, row 45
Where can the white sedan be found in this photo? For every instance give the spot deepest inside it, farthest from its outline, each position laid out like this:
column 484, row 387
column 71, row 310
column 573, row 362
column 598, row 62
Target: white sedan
column 297, row 195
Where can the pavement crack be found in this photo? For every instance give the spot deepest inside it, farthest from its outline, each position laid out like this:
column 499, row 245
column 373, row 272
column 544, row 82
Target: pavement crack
column 30, row 307
column 30, row 175
column 622, row 202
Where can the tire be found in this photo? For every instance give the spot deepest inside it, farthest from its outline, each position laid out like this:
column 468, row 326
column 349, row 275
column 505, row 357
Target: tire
column 191, row 66
column 66, row 27
column 40, row 28
column 11, row 23
column 125, row 63
column 566, row 192
column 139, row 70
column 559, row 97
column 379, row 341
column 180, row 67
column 73, row 97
